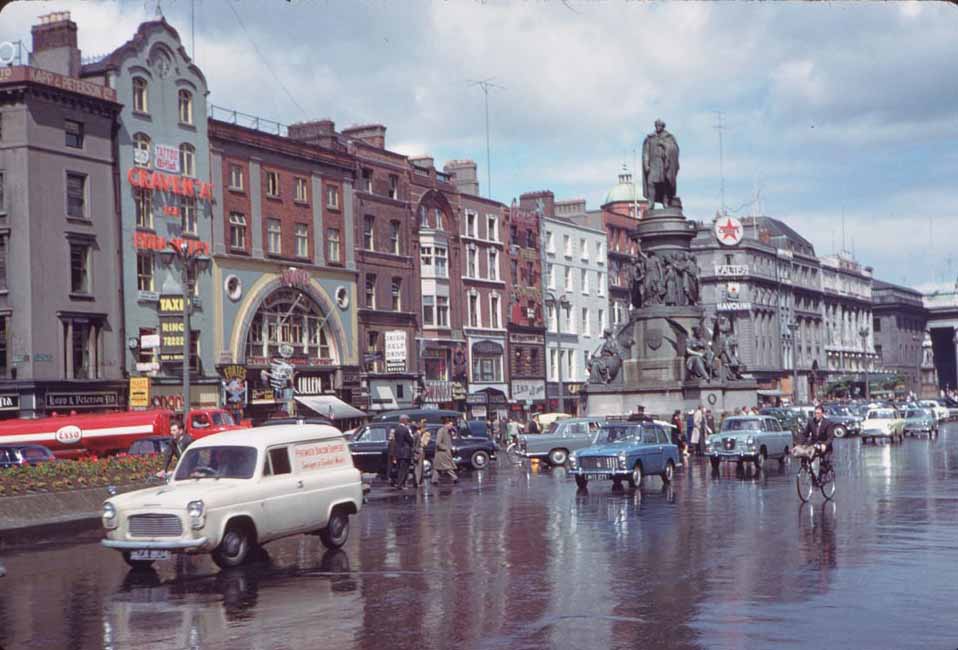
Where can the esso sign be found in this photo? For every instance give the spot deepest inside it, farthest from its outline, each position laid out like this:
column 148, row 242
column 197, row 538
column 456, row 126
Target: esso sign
column 69, row 435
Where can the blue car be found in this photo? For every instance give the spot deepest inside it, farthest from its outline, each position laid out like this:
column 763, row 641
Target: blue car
column 626, row 450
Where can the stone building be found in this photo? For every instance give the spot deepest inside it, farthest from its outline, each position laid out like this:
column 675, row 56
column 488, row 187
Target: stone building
column 847, row 305
column 899, row 323
column 62, row 338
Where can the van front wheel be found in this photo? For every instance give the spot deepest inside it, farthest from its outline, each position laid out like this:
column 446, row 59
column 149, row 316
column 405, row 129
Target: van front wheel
column 337, row 530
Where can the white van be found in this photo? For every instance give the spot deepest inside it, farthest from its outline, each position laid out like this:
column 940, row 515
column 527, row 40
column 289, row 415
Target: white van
column 234, row 491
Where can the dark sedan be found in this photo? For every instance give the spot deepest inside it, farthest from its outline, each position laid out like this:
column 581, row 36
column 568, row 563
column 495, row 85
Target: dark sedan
column 17, row 455
column 370, row 448
column 150, row 446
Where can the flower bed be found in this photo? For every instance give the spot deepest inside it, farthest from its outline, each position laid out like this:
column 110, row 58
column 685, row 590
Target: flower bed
column 77, row 474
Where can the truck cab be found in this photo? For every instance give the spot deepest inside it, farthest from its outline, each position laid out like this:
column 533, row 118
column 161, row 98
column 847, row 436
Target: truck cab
column 204, row 422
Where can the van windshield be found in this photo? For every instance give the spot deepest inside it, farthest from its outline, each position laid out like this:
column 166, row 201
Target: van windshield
column 217, row 462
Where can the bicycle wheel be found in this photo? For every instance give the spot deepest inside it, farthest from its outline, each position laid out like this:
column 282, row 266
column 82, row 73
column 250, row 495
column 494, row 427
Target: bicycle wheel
column 826, row 482
column 804, row 483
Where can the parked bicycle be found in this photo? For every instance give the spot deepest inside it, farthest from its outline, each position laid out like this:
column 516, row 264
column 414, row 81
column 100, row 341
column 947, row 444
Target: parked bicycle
column 809, row 477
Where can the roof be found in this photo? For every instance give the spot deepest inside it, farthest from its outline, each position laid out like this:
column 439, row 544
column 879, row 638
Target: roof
column 777, row 229
column 262, row 437
column 625, row 191
column 880, row 285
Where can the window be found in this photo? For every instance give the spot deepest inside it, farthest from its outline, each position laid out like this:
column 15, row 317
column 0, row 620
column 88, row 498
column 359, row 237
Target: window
column 570, row 360
column 393, row 186
column 423, row 217
column 492, row 228
column 513, row 234
column 369, row 225
column 144, row 272
column 486, row 368
column 272, row 184
column 3, row 264
column 185, row 104
column 332, row 197
column 396, row 294
column 188, row 214
column 237, row 230
column 551, row 322
column 586, row 324
column 302, row 240
column 599, row 252
column 236, row 178
column 279, row 461
column 2, row 184
column 600, row 280
column 553, row 367
column 493, row 264
column 274, row 236
column 514, row 266
column 567, row 245
column 530, row 239
column 141, row 150
column 473, row 310
column 73, row 132
column 568, row 278
column 584, row 278
column 370, row 291
column 441, row 260
column 425, row 255
column 76, row 195
column 471, row 270
column 569, row 321
column 81, row 340
column 584, row 249
column 550, row 242
column 494, row 320
column 4, row 364
column 428, row 310
column 600, row 321
column 470, row 224
column 394, row 238
column 141, row 96
column 551, row 275
column 876, row 325
column 79, row 268
column 442, row 311
column 301, row 194
column 438, row 213
column 143, row 205
column 188, row 159
column 333, row 246
column 368, row 180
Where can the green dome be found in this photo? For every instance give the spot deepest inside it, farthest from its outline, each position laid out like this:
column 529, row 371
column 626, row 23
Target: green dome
column 625, row 191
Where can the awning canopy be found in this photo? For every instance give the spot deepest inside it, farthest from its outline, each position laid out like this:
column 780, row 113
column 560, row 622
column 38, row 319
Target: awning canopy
column 771, row 393
column 330, row 406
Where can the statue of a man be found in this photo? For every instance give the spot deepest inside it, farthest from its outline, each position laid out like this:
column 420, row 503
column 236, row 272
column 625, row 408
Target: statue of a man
column 660, row 166
column 638, row 274
column 654, row 293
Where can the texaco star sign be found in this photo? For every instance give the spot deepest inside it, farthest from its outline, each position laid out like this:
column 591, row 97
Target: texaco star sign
column 729, row 231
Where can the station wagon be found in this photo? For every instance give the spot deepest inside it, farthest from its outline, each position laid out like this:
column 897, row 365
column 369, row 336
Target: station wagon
column 752, row 439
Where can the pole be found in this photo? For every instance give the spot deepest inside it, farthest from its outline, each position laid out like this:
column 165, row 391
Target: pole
column 485, row 92
column 559, row 354
column 187, row 308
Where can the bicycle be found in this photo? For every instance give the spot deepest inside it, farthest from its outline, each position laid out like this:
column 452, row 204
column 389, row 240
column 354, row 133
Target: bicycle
column 808, row 478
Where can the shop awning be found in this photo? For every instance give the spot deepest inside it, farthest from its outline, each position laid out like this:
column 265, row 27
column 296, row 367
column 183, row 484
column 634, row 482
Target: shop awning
column 330, row 406
column 771, row 393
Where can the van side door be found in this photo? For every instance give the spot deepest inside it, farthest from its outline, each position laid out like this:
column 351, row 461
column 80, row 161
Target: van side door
column 281, row 492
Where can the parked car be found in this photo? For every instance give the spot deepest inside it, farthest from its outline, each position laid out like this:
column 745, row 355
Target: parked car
column 752, row 439
column 625, row 450
column 883, row 424
column 370, row 449
column 17, row 455
column 150, row 446
column 546, row 419
column 561, row 438
column 431, row 416
column 789, row 419
column 939, row 410
column 920, row 422
column 843, row 421
column 234, row 491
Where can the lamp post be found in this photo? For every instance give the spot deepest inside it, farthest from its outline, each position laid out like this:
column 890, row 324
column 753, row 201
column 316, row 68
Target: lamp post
column 863, row 332
column 792, row 326
column 555, row 302
column 919, row 341
column 191, row 261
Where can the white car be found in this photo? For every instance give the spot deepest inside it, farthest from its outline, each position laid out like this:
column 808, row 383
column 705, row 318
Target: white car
column 883, row 423
column 234, row 491
column 941, row 412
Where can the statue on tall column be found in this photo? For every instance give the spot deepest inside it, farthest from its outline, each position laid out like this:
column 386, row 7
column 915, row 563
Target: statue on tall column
column 660, row 166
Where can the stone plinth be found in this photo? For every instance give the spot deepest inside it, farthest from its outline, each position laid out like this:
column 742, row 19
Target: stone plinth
column 663, row 400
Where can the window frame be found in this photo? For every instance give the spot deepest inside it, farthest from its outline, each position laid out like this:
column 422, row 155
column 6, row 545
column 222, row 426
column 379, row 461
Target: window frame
column 187, row 159
column 143, row 207
column 86, row 285
column 301, row 240
column 141, row 95
column 271, row 232
column 272, row 183
column 395, row 294
column 186, row 119
column 333, row 246
column 300, row 183
column 236, row 225
column 78, row 135
column 84, row 192
column 142, row 274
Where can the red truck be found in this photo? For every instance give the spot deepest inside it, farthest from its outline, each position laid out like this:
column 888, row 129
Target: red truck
column 103, row 434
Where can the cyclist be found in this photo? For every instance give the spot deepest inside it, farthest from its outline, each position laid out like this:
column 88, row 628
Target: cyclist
column 818, row 431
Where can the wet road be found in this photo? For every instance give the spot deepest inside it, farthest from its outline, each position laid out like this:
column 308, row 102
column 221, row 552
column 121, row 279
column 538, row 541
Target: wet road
column 516, row 558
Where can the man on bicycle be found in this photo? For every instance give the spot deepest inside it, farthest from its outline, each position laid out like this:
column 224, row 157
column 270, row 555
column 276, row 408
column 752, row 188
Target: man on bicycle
column 818, row 431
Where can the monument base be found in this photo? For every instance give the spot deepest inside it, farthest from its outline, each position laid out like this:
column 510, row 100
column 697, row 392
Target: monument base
column 663, row 400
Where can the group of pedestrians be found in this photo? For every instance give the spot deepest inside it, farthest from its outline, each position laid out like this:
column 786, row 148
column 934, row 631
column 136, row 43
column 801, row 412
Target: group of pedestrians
column 690, row 434
column 408, row 442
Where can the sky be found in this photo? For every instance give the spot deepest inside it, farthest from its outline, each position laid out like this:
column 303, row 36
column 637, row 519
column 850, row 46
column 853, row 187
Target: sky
column 833, row 112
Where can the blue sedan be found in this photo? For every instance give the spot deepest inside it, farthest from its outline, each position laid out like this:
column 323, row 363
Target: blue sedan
column 626, row 450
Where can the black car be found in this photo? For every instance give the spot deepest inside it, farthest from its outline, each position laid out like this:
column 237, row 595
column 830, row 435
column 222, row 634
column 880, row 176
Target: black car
column 843, row 420
column 370, row 448
column 150, row 446
column 17, row 455
column 431, row 416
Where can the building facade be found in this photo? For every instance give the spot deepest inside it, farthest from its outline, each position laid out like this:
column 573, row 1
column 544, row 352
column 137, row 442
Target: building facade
column 62, row 339
column 847, row 303
column 165, row 198
column 624, row 205
column 899, row 323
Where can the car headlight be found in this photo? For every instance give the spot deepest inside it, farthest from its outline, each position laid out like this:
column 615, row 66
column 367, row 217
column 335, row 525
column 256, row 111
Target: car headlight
column 572, row 459
column 109, row 515
column 197, row 512
column 622, row 459
column 750, row 441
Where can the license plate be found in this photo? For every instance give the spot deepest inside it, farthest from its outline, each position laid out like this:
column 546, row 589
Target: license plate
column 149, row 554
column 598, row 476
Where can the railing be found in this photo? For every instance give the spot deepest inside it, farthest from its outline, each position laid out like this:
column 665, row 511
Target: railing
column 249, row 121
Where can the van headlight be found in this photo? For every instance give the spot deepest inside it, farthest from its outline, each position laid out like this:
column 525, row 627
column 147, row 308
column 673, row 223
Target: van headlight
column 109, row 516
column 197, row 512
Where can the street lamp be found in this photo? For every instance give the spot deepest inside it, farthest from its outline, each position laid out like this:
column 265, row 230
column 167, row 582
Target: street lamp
column 191, row 261
column 792, row 326
column 863, row 332
column 555, row 302
column 919, row 341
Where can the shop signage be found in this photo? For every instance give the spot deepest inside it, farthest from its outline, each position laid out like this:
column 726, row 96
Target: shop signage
column 733, row 290
column 458, row 391
column 286, row 350
column 784, row 253
column 309, row 384
column 139, row 392
column 36, row 75
column 438, row 391
column 295, row 278
column 728, row 231
column 477, row 398
column 731, row 270
column 489, row 348
column 262, row 396
column 298, row 362
column 159, row 182
column 172, row 305
column 280, row 374
column 171, row 336
column 149, row 341
column 234, row 384
column 167, row 158
column 147, row 366
column 532, row 339
column 733, row 306
column 103, row 399
column 150, row 242
column 528, row 390
column 9, row 402
column 395, row 347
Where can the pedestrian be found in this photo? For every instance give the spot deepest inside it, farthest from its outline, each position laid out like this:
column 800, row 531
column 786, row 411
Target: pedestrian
column 533, row 426
column 391, row 457
column 698, row 420
column 181, row 440
column 419, row 452
column 709, row 423
column 514, row 430
column 678, row 438
column 442, row 462
column 403, row 450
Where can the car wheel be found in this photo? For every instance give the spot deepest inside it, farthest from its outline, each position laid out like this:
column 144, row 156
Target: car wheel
column 137, row 565
column 479, row 460
column 234, row 547
column 715, row 462
column 669, row 472
column 582, row 482
column 337, row 529
column 840, row 432
column 558, row 457
column 635, row 478
column 759, row 460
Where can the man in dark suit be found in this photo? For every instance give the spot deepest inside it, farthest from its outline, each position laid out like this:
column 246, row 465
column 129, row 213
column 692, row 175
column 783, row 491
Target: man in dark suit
column 403, row 442
column 818, row 431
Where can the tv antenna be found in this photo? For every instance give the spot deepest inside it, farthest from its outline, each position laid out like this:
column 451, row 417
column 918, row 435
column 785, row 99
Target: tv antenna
column 485, row 85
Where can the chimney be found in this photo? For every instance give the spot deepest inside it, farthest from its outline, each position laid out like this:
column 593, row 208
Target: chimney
column 318, row 132
column 372, row 134
column 55, row 45
column 463, row 174
column 531, row 201
column 423, row 162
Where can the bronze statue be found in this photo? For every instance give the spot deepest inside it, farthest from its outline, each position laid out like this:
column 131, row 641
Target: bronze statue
column 654, row 291
column 638, row 272
column 674, row 272
column 698, row 355
column 690, row 279
column 660, row 166
column 730, row 365
column 605, row 363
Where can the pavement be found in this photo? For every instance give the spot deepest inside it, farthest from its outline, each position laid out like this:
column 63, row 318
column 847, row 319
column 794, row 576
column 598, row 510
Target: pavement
column 517, row 557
